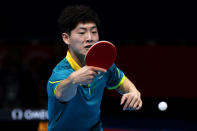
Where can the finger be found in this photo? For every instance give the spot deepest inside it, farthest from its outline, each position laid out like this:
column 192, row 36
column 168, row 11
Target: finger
column 134, row 100
column 98, row 69
column 139, row 105
column 92, row 73
column 122, row 99
column 128, row 101
column 88, row 79
column 90, row 76
column 136, row 104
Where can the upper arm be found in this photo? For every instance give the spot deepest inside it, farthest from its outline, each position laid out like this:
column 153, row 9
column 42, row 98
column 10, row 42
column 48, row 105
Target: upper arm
column 51, row 87
column 116, row 78
column 54, row 81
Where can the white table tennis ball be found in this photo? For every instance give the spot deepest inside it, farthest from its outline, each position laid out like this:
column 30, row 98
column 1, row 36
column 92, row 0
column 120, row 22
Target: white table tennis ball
column 162, row 106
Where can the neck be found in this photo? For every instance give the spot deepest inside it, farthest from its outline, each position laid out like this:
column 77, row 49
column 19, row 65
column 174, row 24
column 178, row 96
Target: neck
column 78, row 58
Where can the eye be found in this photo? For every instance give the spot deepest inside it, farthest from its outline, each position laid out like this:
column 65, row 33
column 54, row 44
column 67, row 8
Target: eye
column 94, row 32
column 81, row 33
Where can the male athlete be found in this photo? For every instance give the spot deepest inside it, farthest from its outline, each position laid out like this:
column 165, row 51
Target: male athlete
column 74, row 90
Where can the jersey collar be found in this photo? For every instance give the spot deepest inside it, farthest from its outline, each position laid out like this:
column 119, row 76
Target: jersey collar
column 72, row 62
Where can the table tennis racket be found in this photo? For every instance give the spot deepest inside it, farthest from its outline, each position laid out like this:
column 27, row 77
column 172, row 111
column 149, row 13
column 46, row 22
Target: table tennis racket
column 102, row 54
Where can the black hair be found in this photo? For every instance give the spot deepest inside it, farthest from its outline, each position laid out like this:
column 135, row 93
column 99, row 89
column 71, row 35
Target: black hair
column 71, row 16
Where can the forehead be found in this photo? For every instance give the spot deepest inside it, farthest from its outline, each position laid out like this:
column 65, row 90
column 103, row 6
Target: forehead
column 87, row 25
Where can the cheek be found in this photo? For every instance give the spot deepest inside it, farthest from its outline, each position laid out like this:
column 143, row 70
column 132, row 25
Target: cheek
column 77, row 45
column 77, row 39
column 97, row 36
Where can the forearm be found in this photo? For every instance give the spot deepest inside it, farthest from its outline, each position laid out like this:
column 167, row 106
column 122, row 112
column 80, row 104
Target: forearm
column 126, row 87
column 131, row 97
column 66, row 90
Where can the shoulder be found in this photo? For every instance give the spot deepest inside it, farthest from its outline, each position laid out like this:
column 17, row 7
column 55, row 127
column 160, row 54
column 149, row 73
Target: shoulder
column 62, row 69
column 112, row 68
column 63, row 65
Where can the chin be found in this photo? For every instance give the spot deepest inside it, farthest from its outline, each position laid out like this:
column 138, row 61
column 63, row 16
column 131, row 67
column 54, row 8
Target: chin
column 85, row 52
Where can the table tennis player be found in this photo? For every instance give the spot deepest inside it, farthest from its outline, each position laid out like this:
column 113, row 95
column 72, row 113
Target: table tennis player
column 74, row 89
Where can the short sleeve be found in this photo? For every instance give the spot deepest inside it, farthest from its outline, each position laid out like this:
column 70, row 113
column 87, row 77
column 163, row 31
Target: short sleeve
column 54, row 81
column 116, row 77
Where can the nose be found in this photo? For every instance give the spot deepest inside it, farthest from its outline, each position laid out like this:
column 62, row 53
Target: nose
column 89, row 38
column 89, row 41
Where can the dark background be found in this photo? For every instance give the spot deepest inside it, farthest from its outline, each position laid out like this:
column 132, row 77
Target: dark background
column 169, row 22
column 157, row 50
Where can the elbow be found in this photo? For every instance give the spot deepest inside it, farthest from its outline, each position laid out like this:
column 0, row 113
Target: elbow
column 58, row 94
column 63, row 97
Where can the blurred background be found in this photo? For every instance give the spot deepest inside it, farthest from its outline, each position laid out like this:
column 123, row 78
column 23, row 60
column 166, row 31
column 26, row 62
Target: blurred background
column 157, row 50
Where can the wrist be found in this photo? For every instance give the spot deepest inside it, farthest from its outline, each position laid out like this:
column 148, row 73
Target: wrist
column 72, row 80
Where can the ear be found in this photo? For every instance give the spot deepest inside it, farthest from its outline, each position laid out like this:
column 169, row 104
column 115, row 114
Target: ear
column 66, row 38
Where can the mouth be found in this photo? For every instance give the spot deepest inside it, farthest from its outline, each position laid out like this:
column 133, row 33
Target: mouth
column 88, row 46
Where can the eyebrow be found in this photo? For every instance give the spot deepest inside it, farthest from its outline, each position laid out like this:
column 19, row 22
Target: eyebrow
column 83, row 28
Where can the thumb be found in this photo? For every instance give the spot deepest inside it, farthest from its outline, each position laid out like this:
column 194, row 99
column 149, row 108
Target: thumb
column 122, row 99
